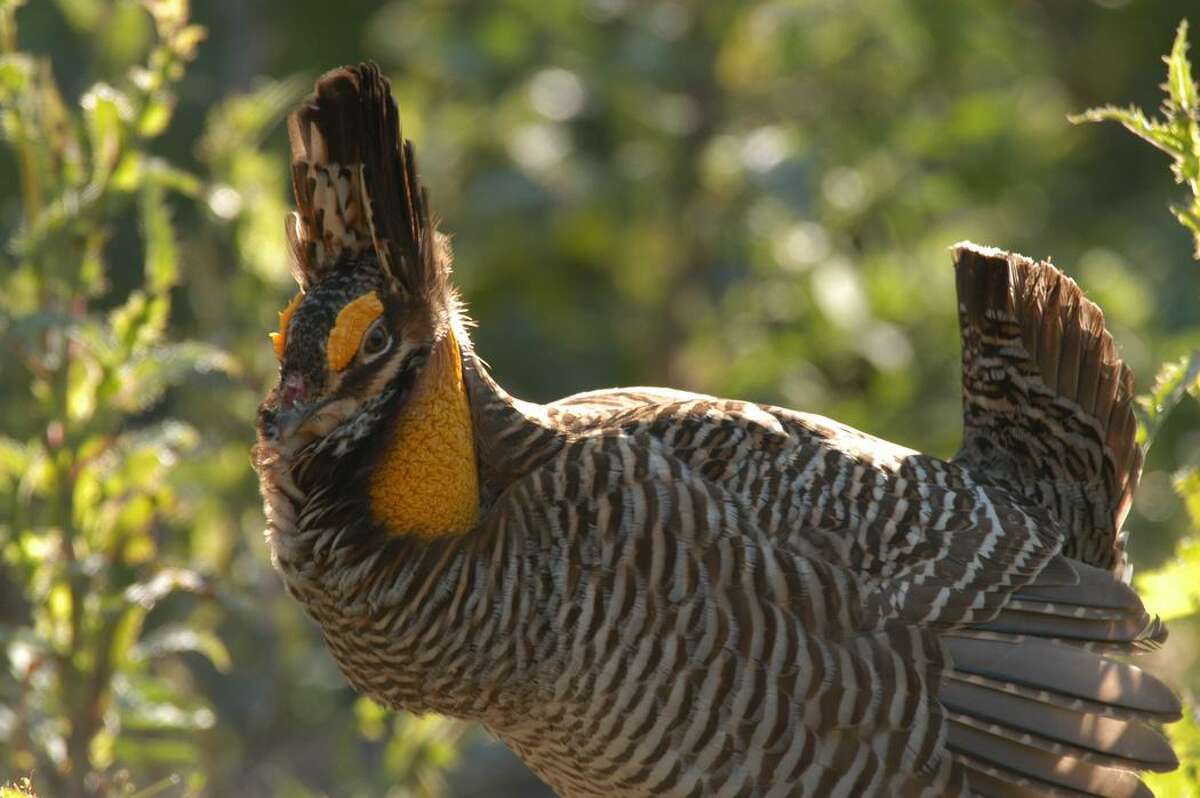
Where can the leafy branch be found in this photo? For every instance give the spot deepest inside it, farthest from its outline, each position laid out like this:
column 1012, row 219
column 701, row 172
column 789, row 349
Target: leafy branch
column 86, row 469
column 1171, row 590
column 1177, row 132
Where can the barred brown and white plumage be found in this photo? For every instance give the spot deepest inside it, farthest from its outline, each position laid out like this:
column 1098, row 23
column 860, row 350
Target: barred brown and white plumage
column 650, row 592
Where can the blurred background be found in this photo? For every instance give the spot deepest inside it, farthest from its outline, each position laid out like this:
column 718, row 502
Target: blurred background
column 752, row 199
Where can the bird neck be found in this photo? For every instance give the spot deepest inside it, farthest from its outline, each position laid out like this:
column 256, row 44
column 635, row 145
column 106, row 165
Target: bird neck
column 426, row 481
column 512, row 437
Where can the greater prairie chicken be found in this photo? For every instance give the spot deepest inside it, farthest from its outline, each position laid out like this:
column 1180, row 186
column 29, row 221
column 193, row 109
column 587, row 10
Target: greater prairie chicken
column 650, row 592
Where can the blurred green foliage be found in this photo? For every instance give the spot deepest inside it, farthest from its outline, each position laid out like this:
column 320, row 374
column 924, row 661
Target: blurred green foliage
column 1177, row 133
column 1173, row 590
column 745, row 198
column 82, row 468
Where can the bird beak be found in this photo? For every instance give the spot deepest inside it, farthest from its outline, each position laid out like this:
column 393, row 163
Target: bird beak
column 290, row 420
column 294, row 410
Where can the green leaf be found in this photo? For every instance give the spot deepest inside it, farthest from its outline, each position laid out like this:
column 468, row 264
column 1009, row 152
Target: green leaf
column 17, row 71
column 162, row 584
column 179, row 638
column 14, row 457
column 162, row 256
column 1181, row 87
column 1173, row 590
column 91, row 266
column 18, row 789
column 169, row 15
column 168, row 783
column 372, row 718
column 175, row 179
column 239, row 123
column 142, row 380
column 138, row 323
column 185, row 41
column 142, row 454
column 83, row 379
column 422, row 748
column 1161, row 135
column 156, row 115
column 1174, row 381
column 1190, row 218
column 1187, row 485
column 1177, row 133
column 149, row 702
column 104, row 111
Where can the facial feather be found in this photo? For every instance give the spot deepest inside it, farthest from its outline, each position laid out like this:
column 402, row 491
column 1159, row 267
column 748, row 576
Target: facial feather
column 371, row 268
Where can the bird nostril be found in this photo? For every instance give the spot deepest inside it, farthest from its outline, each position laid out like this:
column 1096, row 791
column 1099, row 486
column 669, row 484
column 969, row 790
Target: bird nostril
column 292, row 390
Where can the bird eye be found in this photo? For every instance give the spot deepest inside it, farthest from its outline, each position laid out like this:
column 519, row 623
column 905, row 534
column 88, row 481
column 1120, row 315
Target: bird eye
column 375, row 341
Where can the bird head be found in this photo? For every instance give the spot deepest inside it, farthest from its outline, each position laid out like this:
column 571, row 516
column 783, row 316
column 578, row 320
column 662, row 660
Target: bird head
column 375, row 299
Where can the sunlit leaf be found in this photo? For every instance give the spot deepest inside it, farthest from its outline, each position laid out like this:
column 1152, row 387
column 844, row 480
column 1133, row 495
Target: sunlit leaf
column 185, row 41
column 1187, row 485
column 1185, row 738
column 104, row 109
column 155, row 116
column 1174, row 381
column 83, row 378
column 1162, row 135
column 22, row 788
column 1173, row 591
column 142, row 747
column 422, row 748
column 17, row 71
column 162, row 256
column 179, row 638
column 1181, row 87
column 92, row 265
column 139, row 321
column 142, row 380
column 372, row 718
column 168, row 580
column 58, row 606
column 128, row 630
column 169, row 15
column 1177, row 133
column 251, row 181
column 14, row 458
column 140, row 549
column 174, row 178
column 150, row 703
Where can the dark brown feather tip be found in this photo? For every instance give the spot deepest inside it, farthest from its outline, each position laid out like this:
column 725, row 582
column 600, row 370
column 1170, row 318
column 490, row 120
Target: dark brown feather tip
column 1047, row 401
column 356, row 186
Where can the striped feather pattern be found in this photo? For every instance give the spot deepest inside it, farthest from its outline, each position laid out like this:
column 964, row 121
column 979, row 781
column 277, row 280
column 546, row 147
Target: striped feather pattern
column 671, row 594
column 1047, row 403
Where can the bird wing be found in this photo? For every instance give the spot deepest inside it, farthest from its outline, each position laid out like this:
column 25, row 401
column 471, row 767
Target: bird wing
column 693, row 653
column 885, row 548
column 943, row 548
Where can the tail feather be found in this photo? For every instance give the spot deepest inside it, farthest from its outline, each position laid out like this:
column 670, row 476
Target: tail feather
column 357, row 189
column 1091, row 587
column 1038, row 772
column 1062, row 676
column 1047, row 402
column 1101, row 633
column 1033, row 709
column 984, row 784
column 1099, row 740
